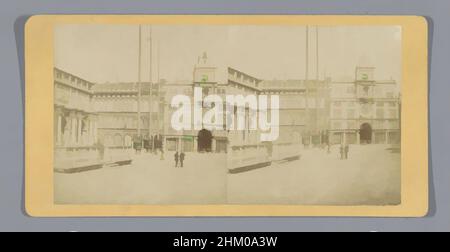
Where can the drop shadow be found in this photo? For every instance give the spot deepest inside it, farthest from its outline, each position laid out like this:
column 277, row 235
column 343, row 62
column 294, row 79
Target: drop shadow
column 19, row 32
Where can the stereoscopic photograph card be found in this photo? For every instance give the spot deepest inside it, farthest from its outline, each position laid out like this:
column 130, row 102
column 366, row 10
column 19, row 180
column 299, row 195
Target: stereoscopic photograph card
column 161, row 115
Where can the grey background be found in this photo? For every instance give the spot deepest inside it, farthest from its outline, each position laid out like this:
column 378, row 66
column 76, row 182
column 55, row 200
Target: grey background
column 13, row 15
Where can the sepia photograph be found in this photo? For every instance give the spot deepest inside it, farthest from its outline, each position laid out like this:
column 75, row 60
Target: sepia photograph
column 198, row 114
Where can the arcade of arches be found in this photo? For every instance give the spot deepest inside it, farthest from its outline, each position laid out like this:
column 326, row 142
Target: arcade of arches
column 366, row 134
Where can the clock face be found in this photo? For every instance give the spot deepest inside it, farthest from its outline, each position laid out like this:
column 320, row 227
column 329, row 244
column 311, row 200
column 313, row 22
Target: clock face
column 204, row 75
column 364, row 74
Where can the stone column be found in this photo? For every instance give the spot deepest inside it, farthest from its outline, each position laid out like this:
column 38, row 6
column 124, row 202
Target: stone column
column 94, row 125
column 73, row 130
column 80, row 141
column 91, row 133
column 195, row 141
column 58, row 131
column 179, row 144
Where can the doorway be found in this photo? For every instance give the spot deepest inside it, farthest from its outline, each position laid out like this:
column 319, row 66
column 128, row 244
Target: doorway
column 204, row 141
column 365, row 133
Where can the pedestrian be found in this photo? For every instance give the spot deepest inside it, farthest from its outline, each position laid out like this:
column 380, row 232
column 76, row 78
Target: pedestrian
column 341, row 149
column 346, row 151
column 176, row 159
column 182, row 158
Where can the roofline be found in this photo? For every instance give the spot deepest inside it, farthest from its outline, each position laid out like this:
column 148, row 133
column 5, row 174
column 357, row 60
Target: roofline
column 244, row 85
column 244, row 73
column 76, row 76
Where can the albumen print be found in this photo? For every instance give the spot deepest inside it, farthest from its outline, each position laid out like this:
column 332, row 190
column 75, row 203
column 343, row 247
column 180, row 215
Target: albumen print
column 227, row 114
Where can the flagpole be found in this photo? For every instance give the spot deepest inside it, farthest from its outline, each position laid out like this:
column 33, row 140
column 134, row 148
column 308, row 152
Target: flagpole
column 150, row 99
column 308, row 118
column 317, row 86
column 158, row 85
column 139, row 88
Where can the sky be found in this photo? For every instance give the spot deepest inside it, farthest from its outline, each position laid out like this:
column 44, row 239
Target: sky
column 109, row 53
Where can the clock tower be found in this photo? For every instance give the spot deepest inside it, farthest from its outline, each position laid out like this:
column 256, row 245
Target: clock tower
column 205, row 75
column 364, row 83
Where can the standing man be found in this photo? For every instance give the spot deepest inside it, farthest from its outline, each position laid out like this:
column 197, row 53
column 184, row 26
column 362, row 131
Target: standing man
column 341, row 149
column 346, row 151
column 182, row 158
column 176, row 159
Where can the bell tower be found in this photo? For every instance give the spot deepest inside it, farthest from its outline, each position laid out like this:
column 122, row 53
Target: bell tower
column 364, row 83
column 205, row 75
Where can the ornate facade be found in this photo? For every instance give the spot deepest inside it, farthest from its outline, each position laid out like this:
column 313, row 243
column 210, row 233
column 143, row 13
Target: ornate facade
column 304, row 109
column 365, row 110
column 75, row 122
column 116, row 106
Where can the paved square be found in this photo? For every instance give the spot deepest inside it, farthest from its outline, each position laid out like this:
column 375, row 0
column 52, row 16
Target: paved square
column 370, row 176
